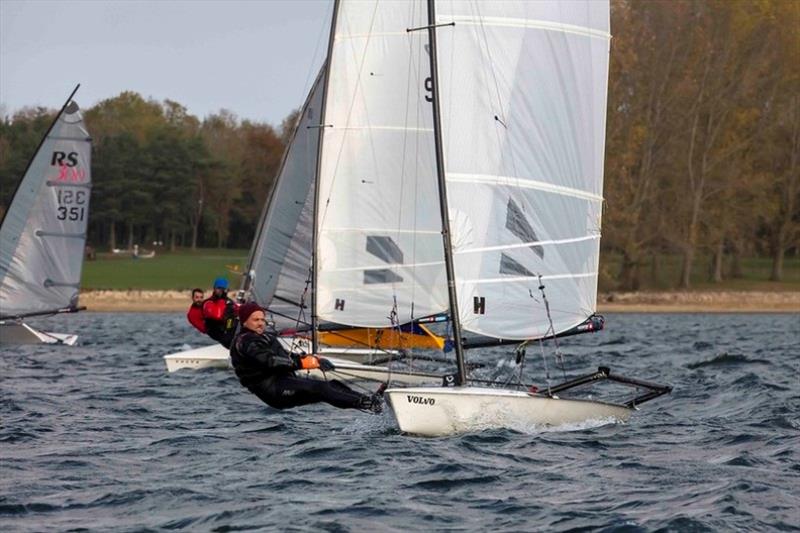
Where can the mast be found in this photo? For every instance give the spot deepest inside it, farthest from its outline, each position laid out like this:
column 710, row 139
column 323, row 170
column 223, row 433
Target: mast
column 461, row 378
column 315, row 231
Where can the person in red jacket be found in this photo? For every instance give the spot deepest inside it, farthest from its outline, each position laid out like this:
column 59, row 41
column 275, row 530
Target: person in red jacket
column 195, row 314
column 219, row 314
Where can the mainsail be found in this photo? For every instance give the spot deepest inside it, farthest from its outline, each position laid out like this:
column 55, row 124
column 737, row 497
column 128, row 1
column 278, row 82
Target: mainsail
column 278, row 275
column 280, row 261
column 523, row 98
column 379, row 251
column 43, row 232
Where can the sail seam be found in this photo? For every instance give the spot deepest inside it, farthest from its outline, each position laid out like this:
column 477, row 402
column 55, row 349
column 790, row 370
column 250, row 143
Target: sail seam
column 527, row 244
column 387, row 128
column 528, row 278
column 384, row 266
column 68, row 184
column 527, row 23
column 345, row 36
column 509, row 181
column 381, row 231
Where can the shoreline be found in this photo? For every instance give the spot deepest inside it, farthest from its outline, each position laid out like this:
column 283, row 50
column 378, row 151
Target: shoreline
column 144, row 301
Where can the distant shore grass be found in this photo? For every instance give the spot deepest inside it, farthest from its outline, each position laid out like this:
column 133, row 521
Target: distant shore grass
column 185, row 269
column 755, row 275
column 180, row 270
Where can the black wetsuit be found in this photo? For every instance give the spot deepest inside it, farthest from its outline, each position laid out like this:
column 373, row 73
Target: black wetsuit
column 267, row 370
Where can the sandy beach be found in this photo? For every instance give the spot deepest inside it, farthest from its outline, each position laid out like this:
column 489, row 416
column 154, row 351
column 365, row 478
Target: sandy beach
column 616, row 302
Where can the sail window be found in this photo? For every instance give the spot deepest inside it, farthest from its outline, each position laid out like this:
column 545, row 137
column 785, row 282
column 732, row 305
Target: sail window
column 385, row 249
column 517, row 224
column 381, row 275
column 513, row 267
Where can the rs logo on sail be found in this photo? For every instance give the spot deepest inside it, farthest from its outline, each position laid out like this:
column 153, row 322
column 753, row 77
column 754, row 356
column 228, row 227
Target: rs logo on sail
column 420, row 400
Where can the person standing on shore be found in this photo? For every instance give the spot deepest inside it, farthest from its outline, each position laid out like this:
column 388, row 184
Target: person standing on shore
column 267, row 370
column 195, row 314
column 219, row 314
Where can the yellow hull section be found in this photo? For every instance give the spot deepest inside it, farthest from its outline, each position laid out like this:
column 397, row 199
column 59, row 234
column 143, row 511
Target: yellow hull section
column 385, row 339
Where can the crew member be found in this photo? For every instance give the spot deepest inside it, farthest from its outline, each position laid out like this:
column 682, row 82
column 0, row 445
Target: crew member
column 267, row 370
column 195, row 314
column 219, row 314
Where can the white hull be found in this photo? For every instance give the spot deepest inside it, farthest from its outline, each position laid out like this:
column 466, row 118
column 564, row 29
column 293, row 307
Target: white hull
column 443, row 411
column 216, row 356
column 21, row 333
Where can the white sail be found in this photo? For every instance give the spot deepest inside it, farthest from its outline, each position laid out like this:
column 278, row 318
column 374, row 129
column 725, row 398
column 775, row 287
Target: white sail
column 378, row 217
column 44, row 230
column 523, row 102
column 281, row 257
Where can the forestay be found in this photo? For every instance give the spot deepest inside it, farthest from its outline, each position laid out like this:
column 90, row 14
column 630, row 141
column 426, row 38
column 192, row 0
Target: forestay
column 379, row 226
column 43, row 232
column 523, row 100
column 281, row 255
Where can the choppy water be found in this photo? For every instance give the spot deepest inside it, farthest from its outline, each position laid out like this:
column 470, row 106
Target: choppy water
column 100, row 437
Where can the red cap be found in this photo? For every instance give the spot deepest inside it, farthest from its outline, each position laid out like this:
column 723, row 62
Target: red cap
column 248, row 309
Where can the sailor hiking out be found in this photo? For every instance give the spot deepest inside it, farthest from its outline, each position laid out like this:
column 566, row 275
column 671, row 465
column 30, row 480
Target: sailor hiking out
column 219, row 314
column 267, row 370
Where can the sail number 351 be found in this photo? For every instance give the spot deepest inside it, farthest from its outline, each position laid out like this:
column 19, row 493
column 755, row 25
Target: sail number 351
column 71, row 204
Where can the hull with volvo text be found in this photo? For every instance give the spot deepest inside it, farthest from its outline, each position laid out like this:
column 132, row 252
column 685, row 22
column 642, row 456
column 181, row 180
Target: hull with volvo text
column 447, row 411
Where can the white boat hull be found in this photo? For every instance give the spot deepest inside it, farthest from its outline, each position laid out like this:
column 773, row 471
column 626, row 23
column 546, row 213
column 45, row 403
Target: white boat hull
column 22, row 333
column 216, row 356
column 443, row 411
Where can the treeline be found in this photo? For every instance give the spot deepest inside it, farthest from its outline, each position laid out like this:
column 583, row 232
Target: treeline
column 702, row 154
column 703, row 136
column 159, row 173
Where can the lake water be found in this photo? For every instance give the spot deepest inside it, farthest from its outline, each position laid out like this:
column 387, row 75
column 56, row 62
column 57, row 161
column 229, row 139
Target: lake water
column 101, row 437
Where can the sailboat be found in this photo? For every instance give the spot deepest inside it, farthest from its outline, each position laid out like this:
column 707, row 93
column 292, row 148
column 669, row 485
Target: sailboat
column 43, row 232
column 464, row 179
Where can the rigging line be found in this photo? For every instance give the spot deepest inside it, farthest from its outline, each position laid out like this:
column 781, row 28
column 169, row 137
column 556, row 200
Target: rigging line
column 321, row 33
column 349, row 112
column 504, row 120
column 552, row 330
column 403, row 157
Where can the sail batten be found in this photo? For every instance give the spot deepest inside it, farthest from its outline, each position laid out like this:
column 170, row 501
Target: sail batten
column 509, row 181
column 527, row 23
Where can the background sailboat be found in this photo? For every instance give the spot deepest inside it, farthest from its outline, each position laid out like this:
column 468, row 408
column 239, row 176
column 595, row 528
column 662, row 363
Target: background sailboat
column 43, row 232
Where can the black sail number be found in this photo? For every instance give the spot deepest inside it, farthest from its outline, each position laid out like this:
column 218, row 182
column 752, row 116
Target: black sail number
column 71, row 204
column 429, row 89
column 74, row 213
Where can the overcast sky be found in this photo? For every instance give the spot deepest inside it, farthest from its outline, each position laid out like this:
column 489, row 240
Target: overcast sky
column 256, row 58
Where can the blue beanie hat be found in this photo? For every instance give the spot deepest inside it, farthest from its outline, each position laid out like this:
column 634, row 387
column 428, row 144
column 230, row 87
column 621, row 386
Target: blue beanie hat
column 221, row 283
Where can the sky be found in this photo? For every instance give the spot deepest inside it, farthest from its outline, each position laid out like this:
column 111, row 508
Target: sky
column 256, row 58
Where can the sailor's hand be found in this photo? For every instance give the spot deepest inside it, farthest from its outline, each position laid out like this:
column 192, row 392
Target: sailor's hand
column 309, row 362
column 325, row 365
